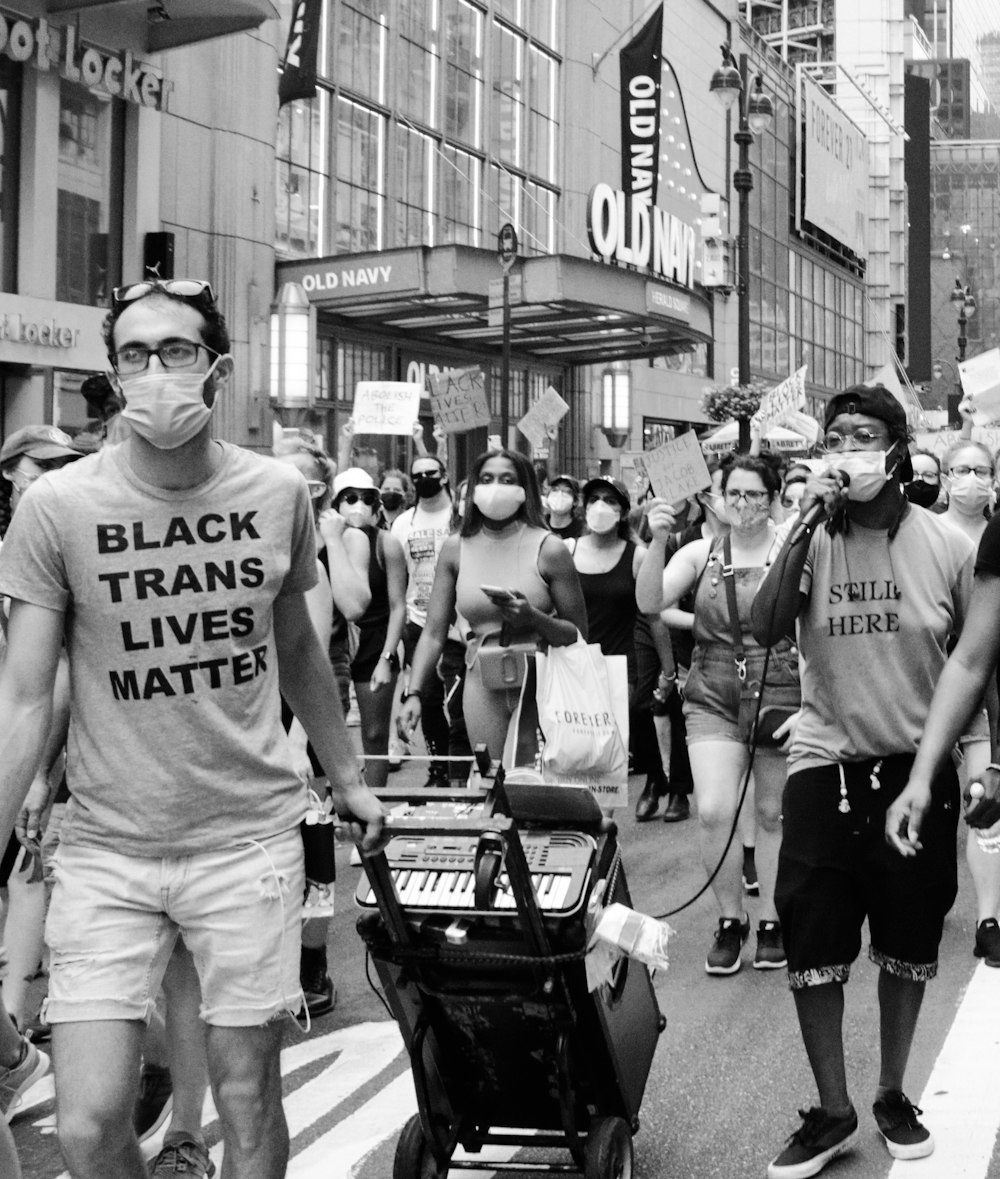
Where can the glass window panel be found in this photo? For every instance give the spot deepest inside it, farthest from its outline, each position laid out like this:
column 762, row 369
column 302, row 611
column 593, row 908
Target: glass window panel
column 90, row 183
column 539, row 220
column 463, row 89
column 542, row 122
column 505, row 200
column 781, row 359
column 358, row 50
column 301, row 179
column 507, row 120
column 415, row 180
column 511, row 9
column 542, row 21
column 417, row 49
column 460, row 212
column 10, row 151
column 360, row 201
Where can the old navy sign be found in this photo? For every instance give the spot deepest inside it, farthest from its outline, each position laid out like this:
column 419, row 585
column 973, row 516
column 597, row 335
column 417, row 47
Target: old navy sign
column 626, row 229
column 328, row 279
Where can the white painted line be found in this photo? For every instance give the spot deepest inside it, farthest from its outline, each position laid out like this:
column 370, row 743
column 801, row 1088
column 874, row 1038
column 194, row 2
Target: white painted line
column 960, row 1101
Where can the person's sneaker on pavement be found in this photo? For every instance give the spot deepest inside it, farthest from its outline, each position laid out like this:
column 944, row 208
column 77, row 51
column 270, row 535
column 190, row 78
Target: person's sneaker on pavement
column 317, row 986
column 770, row 947
column 724, row 956
column 16, row 1080
column 751, row 885
column 154, row 1100
column 988, row 941
column 819, row 1139
column 181, row 1155
column 906, row 1137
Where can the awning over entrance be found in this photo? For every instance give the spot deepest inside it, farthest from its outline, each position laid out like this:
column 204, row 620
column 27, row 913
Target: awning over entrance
column 165, row 24
column 564, row 310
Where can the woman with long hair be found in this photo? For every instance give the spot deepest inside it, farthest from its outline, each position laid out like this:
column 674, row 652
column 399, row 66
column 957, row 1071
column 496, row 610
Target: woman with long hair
column 717, row 745
column 508, row 578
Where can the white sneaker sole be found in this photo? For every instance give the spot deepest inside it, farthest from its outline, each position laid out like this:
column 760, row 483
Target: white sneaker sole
column 765, row 964
column 916, row 1150
column 816, row 1164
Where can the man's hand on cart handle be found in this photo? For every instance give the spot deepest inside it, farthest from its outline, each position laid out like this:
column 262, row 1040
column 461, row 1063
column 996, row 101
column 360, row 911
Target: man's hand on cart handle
column 365, row 817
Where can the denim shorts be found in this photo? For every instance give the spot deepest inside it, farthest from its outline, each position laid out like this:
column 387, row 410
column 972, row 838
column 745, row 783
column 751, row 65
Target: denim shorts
column 114, row 919
column 835, row 869
column 712, row 688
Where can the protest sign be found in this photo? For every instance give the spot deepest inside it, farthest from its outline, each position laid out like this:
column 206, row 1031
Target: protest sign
column 458, row 400
column 779, row 402
column 677, row 468
column 980, row 378
column 541, row 420
column 386, row 407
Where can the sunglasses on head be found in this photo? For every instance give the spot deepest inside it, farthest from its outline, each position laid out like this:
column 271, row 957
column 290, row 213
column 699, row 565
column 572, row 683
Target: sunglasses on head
column 193, row 290
column 368, row 498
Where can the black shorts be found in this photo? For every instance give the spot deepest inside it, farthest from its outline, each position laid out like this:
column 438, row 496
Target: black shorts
column 836, row 869
column 371, row 644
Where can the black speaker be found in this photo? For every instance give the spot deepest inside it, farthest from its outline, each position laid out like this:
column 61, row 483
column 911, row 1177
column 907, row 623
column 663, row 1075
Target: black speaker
column 158, row 255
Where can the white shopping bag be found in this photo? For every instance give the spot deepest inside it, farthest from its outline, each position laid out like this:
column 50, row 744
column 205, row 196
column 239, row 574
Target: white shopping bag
column 582, row 699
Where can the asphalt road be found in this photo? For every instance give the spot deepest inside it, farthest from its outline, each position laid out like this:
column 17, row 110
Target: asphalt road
column 728, row 1076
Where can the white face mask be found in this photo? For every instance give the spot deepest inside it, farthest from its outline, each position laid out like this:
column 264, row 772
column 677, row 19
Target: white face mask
column 602, row 517
column 167, row 408
column 866, row 470
column 560, row 502
column 970, row 492
column 357, row 515
column 498, row 501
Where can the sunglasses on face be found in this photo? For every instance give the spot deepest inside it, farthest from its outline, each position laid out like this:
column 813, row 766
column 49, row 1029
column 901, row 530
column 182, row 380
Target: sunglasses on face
column 863, row 438
column 193, row 290
column 367, row 497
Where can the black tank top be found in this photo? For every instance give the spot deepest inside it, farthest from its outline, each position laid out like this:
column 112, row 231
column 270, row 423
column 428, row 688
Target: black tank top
column 377, row 613
column 611, row 608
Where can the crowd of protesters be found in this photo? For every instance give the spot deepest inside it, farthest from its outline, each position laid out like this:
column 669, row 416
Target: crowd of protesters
column 400, row 593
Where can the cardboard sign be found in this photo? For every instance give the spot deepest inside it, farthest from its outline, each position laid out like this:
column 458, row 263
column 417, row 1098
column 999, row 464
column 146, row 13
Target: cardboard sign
column 980, row 378
column 458, row 400
column 779, row 402
column 541, row 420
column 386, row 407
column 677, row 469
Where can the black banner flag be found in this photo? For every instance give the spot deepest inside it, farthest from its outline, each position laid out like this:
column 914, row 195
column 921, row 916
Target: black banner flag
column 298, row 66
column 640, row 64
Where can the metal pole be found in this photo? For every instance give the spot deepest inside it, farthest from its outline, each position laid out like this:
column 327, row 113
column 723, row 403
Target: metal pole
column 743, row 183
column 505, row 364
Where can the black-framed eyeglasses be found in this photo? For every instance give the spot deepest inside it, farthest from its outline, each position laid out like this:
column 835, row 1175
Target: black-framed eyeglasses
column 982, row 472
column 863, row 438
column 134, row 358
column 368, row 497
column 191, row 289
column 752, row 497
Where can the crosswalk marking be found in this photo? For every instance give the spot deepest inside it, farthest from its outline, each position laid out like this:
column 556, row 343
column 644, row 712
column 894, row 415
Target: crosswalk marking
column 960, row 1099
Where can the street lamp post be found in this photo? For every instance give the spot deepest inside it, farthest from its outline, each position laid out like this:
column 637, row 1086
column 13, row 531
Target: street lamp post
column 731, row 83
column 963, row 298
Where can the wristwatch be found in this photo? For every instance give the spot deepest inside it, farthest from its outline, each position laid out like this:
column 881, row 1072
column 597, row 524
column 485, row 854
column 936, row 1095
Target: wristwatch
column 392, row 659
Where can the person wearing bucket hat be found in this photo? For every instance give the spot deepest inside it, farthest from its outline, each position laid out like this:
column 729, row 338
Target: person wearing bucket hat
column 877, row 595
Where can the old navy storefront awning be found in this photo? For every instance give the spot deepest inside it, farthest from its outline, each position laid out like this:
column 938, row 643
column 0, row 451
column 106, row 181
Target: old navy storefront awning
column 163, row 25
column 564, row 310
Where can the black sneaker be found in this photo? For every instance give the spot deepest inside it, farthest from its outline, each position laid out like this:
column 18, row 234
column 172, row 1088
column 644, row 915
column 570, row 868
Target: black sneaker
column 988, row 941
column 819, row 1139
column 154, row 1101
column 906, row 1137
column 181, row 1155
column 724, row 956
column 770, row 947
column 751, row 886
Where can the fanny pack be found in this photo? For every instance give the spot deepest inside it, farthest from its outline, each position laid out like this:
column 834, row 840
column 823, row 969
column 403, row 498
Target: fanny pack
column 502, row 665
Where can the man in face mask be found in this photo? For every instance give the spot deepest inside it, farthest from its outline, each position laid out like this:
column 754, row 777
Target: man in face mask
column 422, row 530
column 561, row 504
column 877, row 595
column 183, row 562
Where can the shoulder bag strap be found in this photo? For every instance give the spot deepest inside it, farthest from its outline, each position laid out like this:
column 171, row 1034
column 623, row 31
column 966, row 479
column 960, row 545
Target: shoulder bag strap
column 729, row 580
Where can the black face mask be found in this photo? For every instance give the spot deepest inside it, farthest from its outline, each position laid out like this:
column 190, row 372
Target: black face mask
column 427, row 486
column 391, row 500
column 924, row 495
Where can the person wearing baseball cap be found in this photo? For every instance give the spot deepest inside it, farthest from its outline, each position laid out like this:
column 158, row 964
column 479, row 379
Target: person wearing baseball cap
column 877, row 595
column 31, row 451
column 561, row 505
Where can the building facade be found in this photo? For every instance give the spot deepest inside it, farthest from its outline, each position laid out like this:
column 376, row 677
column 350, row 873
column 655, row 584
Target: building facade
column 129, row 140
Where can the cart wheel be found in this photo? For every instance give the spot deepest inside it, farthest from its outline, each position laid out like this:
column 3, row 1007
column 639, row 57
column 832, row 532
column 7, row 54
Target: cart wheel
column 414, row 1157
column 609, row 1150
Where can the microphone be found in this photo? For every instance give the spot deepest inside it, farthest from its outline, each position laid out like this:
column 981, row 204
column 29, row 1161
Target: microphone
column 806, row 523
